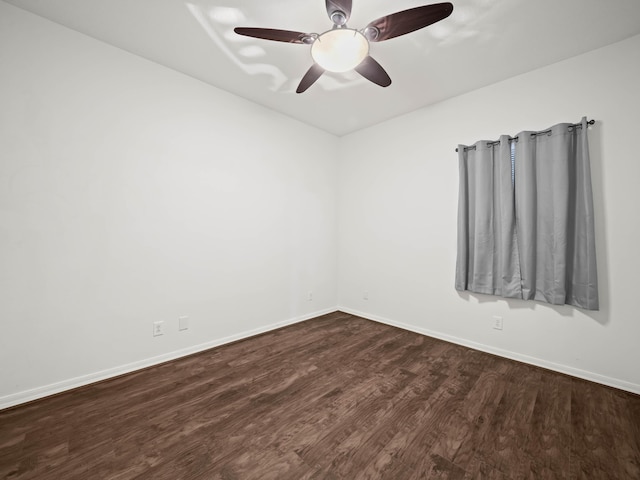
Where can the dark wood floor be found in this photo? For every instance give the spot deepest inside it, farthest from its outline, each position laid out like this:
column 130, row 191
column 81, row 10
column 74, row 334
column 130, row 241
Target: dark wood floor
column 337, row 397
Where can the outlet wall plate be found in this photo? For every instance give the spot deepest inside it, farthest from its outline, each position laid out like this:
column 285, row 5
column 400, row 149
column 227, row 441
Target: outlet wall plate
column 158, row 328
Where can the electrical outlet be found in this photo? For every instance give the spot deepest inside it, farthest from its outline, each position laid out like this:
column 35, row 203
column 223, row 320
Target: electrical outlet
column 158, row 328
column 183, row 323
column 365, row 295
column 497, row 322
column 310, row 296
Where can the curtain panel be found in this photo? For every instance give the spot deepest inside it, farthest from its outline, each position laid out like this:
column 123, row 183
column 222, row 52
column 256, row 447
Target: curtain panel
column 525, row 223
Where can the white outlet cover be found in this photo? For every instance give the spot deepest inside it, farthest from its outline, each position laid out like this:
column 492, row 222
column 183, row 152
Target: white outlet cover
column 183, row 323
column 158, row 328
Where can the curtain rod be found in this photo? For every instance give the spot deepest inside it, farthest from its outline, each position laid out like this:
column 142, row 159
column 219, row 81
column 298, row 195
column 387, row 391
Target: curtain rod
column 473, row 147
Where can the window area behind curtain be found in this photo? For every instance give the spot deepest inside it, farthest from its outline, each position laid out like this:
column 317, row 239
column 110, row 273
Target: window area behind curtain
column 525, row 218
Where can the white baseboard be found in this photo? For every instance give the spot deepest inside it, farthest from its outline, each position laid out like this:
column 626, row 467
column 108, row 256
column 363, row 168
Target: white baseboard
column 575, row 372
column 58, row 387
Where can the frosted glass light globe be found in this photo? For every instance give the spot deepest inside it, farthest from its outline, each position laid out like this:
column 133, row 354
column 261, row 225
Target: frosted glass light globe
column 340, row 50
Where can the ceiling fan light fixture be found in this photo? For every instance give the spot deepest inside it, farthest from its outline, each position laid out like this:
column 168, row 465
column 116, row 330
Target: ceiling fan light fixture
column 340, row 49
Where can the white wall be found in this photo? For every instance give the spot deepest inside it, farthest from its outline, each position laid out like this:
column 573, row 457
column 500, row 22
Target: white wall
column 130, row 193
column 398, row 186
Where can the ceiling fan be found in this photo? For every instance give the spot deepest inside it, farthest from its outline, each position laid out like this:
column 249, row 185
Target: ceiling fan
column 342, row 49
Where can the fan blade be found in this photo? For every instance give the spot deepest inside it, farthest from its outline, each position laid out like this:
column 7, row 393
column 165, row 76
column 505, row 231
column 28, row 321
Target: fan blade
column 373, row 71
column 343, row 6
column 310, row 77
column 408, row 21
column 271, row 34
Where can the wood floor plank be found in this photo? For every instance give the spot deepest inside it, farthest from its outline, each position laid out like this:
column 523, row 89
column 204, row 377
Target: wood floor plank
column 478, row 470
column 401, row 417
column 550, row 424
column 333, row 398
column 510, row 425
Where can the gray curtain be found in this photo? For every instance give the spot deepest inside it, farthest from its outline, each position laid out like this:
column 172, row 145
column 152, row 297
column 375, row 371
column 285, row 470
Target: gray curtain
column 526, row 228
column 487, row 248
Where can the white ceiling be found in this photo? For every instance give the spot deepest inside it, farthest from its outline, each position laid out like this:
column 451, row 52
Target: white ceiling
column 482, row 42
